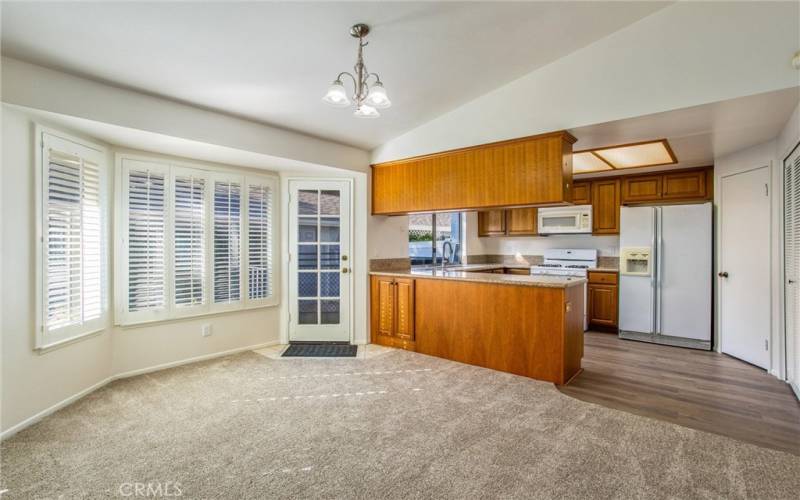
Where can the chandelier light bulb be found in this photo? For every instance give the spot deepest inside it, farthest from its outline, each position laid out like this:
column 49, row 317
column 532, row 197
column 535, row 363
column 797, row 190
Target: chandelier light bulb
column 336, row 95
column 366, row 111
column 377, row 97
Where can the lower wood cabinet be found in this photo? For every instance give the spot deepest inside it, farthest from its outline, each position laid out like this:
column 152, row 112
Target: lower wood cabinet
column 602, row 299
column 392, row 311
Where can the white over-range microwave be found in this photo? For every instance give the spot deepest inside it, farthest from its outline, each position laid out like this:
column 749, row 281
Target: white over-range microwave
column 561, row 220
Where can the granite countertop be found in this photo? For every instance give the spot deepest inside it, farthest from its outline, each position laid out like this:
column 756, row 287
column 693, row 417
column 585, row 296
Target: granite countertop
column 455, row 274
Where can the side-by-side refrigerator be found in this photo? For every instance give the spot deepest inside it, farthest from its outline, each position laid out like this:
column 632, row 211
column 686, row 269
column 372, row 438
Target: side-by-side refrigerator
column 666, row 274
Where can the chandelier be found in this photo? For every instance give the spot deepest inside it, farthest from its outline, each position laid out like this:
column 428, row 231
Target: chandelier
column 368, row 97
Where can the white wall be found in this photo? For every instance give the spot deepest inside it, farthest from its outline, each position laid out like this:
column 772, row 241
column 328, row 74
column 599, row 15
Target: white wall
column 31, row 381
column 34, row 381
column 686, row 54
column 36, row 87
column 607, row 246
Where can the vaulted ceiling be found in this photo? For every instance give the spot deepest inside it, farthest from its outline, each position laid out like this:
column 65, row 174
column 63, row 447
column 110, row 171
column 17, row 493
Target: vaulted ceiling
column 271, row 62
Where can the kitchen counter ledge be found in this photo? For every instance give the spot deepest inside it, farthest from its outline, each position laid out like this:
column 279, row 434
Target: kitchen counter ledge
column 501, row 279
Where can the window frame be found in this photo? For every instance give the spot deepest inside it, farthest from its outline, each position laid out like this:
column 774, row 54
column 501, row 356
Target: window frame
column 434, row 253
column 211, row 174
column 45, row 136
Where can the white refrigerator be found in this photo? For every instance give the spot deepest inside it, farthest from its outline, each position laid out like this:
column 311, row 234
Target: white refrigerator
column 666, row 274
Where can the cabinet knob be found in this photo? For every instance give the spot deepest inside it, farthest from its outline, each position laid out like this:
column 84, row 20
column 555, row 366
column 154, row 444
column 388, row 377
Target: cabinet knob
column 345, row 270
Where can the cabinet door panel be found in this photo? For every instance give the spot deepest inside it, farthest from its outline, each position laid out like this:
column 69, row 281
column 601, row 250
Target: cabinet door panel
column 602, row 307
column 605, row 207
column 521, row 221
column 386, row 313
column 581, row 193
column 687, row 185
column 641, row 188
column 492, row 223
column 404, row 307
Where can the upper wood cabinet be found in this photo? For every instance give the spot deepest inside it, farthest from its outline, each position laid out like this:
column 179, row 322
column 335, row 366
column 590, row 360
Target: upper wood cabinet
column 522, row 221
column 581, row 193
column 511, row 222
column 605, row 206
column 641, row 188
column 683, row 185
column 529, row 171
column 492, row 223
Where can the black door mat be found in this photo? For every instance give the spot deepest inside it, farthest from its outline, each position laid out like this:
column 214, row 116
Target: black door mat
column 320, row 351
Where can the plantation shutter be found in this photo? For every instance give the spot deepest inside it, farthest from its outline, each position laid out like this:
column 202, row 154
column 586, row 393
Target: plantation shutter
column 259, row 240
column 227, row 247
column 146, row 238
column 791, row 187
column 190, row 239
column 72, row 239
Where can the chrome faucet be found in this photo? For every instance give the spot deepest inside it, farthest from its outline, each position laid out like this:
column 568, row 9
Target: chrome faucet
column 447, row 259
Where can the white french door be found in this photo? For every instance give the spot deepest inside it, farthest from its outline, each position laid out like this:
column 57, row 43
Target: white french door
column 319, row 261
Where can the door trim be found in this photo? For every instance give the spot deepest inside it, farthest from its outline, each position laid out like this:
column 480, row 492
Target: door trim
column 718, row 191
column 285, row 228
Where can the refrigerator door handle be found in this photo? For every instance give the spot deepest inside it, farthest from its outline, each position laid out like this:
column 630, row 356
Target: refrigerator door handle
column 660, row 269
column 656, row 269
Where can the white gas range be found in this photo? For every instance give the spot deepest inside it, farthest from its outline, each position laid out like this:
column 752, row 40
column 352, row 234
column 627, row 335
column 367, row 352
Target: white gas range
column 568, row 262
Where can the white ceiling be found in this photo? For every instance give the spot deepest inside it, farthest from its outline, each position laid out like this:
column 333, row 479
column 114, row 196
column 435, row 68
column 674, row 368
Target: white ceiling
column 271, row 62
column 698, row 134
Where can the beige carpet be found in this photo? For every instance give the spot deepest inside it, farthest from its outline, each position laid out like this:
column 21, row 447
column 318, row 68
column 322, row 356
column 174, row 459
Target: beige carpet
column 397, row 425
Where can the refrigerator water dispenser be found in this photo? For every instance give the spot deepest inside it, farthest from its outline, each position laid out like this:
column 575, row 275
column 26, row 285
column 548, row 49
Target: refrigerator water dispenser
column 636, row 261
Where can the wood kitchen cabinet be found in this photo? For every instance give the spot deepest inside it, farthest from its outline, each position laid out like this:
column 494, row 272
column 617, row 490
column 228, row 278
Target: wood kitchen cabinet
column 521, row 221
column 528, row 171
column 668, row 187
column 685, row 185
column 605, row 206
column 392, row 311
column 602, row 299
column 492, row 223
column 581, row 193
column 641, row 188
column 511, row 222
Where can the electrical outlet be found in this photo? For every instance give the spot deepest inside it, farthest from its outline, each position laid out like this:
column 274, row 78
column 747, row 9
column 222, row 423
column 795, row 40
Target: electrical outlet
column 206, row 329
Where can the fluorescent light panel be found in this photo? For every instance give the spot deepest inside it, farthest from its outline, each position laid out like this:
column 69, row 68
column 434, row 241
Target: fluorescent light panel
column 588, row 162
column 638, row 155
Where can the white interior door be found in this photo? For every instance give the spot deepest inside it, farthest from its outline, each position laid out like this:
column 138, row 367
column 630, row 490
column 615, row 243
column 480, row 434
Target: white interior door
column 744, row 284
column 319, row 261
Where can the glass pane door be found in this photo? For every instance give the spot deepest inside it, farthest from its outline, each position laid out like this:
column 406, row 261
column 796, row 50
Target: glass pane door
column 319, row 282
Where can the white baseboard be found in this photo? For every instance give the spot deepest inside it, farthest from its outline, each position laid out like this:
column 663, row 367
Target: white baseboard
column 61, row 404
column 204, row 357
column 71, row 399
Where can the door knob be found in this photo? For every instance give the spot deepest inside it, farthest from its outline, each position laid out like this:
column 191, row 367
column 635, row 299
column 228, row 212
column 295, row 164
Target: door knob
column 723, row 274
column 791, row 282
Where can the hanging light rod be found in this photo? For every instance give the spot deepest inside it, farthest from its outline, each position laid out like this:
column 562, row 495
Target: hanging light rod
column 368, row 97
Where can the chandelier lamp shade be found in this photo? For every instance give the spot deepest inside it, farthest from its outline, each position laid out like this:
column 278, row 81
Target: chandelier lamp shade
column 369, row 95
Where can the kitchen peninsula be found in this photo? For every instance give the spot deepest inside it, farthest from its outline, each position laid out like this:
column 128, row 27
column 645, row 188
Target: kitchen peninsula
column 522, row 324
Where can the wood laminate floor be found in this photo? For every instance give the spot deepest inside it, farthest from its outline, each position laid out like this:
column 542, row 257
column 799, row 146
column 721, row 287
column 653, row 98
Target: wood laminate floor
column 703, row 390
